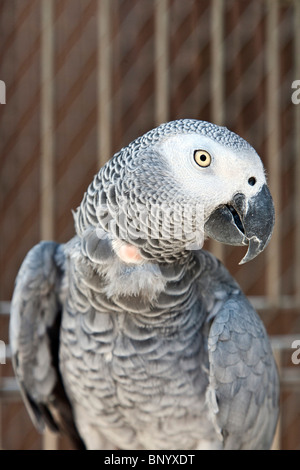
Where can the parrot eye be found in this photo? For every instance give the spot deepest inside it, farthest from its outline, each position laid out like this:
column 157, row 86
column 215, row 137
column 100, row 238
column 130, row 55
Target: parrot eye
column 252, row 181
column 202, row 158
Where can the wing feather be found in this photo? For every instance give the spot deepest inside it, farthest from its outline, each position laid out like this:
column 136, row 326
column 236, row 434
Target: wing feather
column 34, row 337
column 243, row 389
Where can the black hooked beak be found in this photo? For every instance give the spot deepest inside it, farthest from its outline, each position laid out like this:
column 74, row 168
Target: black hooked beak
column 239, row 223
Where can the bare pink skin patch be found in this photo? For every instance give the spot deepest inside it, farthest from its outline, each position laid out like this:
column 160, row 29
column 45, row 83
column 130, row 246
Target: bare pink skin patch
column 129, row 254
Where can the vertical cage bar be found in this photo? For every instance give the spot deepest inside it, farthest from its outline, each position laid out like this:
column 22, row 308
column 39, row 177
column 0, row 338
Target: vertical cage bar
column 161, row 61
column 217, row 67
column 297, row 149
column 277, row 352
column 1, row 418
column 104, row 81
column 217, row 60
column 273, row 147
column 50, row 440
column 47, row 139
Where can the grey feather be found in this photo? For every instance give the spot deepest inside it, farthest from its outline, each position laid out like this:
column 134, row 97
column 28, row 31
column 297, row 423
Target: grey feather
column 161, row 353
column 244, row 381
column 34, row 336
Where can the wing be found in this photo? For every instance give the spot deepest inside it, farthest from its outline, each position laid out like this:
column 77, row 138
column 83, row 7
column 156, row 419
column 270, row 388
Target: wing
column 243, row 390
column 34, row 338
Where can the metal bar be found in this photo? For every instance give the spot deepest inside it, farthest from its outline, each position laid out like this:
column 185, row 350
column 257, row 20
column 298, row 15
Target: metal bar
column 8, row 355
column 273, row 135
column 47, row 143
column 1, row 425
column 217, row 58
column 104, row 81
column 5, row 307
column 47, row 118
column 259, row 302
column 289, row 378
column 277, row 437
column 284, row 302
column 9, row 390
column 217, row 97
column 161, row 61
column 297, row 149
column 282, row 342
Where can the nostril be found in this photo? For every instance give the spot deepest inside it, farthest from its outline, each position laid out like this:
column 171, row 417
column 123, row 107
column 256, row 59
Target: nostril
column 252, row 181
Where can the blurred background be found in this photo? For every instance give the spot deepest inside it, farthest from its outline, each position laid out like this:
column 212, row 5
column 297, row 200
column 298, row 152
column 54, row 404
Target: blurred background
column 85, row 77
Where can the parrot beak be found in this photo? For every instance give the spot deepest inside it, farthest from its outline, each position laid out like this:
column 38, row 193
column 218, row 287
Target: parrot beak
column 243, row 222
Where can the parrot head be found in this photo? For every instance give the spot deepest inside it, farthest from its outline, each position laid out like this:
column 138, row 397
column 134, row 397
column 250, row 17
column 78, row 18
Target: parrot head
column 190, row 175
column 223, row 173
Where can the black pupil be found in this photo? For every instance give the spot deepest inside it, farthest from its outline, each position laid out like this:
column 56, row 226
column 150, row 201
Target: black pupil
column 203, row 157
column 252, row 181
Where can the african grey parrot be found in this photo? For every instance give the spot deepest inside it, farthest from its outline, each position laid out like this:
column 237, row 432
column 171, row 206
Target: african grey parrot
column 130, row 335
